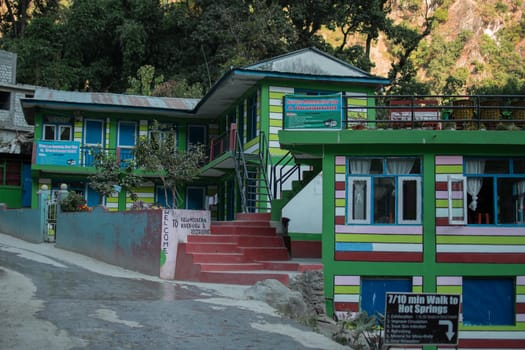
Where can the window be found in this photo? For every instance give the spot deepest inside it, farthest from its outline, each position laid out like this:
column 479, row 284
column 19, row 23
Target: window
column 373, row 292
column 58, row 132
column 496, row 296
column 5, row 100
column 10, row 173
column 384, row 190
column 494, row 190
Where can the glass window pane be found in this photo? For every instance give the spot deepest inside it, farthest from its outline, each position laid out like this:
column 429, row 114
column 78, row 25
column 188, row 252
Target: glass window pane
column 65, row 133
column 384, row 200
column 497, row 166
column 409, row 210
column 416, row 168
column 510, row 200
column 359, row 200
column 376, row 166
column 49, row 132
column 519, row 166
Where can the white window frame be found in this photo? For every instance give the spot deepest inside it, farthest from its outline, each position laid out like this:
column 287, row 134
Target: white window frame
column 54, row 132
column 350, row 196
column 61, row 128
column 400, row 203
column 451, row 209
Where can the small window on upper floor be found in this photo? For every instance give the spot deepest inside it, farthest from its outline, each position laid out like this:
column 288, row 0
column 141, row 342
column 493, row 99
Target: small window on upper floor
column 5, row 100
column 491, row 192
column 384, row 190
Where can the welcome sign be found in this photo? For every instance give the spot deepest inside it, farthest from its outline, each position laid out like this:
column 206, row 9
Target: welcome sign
column 177, row 225
column 322, row 112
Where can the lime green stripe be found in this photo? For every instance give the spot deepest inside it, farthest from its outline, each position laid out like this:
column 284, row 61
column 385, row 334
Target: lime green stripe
column 276, row 95
column 111, row 199
column 340, row 169
column 346, row 289
column 520, row 326
column 278, row 151
column 443, row 203
column 449, row 289
column 276, row 109
column 341, row 202
column 274, row 137
column 449, row 169
column 350, row 237
column 520, row 289
column 480, row 240
column 417, row 289
column 276, row 122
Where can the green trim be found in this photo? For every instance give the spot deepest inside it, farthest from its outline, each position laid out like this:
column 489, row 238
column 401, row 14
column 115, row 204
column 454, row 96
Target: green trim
column 305, row 236
column 520, row 326
column 429, row 223
column 328, row 242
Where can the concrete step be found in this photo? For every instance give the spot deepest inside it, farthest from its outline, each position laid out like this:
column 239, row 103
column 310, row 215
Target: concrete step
column 212, row 247
column 243, row 241
column 242, row 278
column 253, row 216
column 265, row 253
column 242, row 230
column 231, row 266
column 199, row 258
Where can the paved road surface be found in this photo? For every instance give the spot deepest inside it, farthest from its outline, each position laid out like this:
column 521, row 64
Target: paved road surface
column 54, row 299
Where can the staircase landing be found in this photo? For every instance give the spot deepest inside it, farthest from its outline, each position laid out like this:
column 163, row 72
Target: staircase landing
column 243, row 251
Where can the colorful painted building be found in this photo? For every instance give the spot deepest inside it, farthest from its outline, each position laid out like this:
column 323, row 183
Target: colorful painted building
column 395, row 193
column 425, row 210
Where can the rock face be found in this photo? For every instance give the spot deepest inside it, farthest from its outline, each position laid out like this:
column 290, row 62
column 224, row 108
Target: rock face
column 280, row 297
column 311, row 286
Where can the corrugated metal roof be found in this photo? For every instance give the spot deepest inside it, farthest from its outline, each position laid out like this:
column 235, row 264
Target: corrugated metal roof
column 111, row 99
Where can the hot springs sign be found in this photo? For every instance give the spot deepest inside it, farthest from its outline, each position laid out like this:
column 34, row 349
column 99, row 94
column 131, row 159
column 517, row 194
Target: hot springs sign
column 177, row 224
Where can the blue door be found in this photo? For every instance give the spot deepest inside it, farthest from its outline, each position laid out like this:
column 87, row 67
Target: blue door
column 373, row 292
column 93, row 137
column 195, row 198
column 127, row 135
column 27, row 184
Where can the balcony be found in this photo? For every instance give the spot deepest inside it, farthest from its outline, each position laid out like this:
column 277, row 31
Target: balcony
column 71, row 154
column 436, row 112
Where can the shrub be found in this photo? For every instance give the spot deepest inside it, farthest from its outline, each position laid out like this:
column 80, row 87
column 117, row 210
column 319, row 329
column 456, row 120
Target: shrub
column 74, row 202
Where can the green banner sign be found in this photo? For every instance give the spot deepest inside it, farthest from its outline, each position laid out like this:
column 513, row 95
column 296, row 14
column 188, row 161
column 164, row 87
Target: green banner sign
column 323, row 112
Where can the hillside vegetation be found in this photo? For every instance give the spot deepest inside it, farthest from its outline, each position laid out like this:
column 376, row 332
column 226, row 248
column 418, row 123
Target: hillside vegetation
column 180, row 48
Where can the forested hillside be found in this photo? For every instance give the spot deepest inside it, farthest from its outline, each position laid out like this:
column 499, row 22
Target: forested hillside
column 180, row 48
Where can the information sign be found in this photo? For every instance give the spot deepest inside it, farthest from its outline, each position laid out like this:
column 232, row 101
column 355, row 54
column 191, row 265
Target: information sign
column 313, row 112
column 430, row 319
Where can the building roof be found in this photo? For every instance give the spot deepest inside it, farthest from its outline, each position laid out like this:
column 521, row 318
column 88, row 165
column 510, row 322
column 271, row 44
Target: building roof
column 307, row 64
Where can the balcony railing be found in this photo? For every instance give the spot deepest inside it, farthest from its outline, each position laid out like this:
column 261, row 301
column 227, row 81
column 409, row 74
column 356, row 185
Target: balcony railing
column 65, row 153
column 437, row 112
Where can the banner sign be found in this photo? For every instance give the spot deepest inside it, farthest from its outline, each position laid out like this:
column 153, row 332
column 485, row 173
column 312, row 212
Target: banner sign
column 415, row 319
column 177, row 224
column 322, row 112
column 57, row 152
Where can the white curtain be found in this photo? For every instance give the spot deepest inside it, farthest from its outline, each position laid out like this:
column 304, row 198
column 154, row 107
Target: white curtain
column 474, row 166
column 361, row 167
column 399, row 165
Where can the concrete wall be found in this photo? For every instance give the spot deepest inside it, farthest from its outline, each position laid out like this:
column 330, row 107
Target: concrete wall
column 24, row 223
column 130, row 239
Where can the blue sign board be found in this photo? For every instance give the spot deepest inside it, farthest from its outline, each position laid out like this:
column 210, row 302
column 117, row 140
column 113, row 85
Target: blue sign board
column 322, row 112
column 58, row 153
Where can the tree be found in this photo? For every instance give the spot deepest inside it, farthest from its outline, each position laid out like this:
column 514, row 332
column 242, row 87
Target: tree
column 16, row 14
column 159, row 156
column 111, row 178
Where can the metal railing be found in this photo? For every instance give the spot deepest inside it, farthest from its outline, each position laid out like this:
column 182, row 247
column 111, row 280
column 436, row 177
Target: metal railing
column 438, row 112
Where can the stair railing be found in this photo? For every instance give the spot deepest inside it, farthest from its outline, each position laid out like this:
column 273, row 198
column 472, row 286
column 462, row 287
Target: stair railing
column 265, row 158
column 284, row 173
column 241, row 170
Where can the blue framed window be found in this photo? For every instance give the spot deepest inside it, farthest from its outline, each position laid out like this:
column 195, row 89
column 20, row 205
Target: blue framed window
column 373, row 292
column 384, row 190
column 495, row 190
column 488, row 301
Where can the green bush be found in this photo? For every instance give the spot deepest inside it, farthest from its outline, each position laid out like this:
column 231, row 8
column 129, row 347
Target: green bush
column 74, row 202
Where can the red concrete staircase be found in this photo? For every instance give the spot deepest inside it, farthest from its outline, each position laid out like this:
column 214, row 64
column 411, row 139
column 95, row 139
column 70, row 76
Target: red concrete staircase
column 243, row 251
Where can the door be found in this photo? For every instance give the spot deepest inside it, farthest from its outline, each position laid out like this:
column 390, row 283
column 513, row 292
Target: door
column 127, row 136
column 195, row 197
column 27, row 184
column 93, row 137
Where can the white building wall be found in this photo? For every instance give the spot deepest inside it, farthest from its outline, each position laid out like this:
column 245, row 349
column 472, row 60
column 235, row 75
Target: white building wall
column 305, row 210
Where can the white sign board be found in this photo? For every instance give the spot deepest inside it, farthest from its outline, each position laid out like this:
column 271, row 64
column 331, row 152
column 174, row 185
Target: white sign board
column 177, row 224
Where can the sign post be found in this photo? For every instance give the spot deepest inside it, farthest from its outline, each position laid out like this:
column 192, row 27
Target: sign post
column 415, row 319
column 323, row 112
